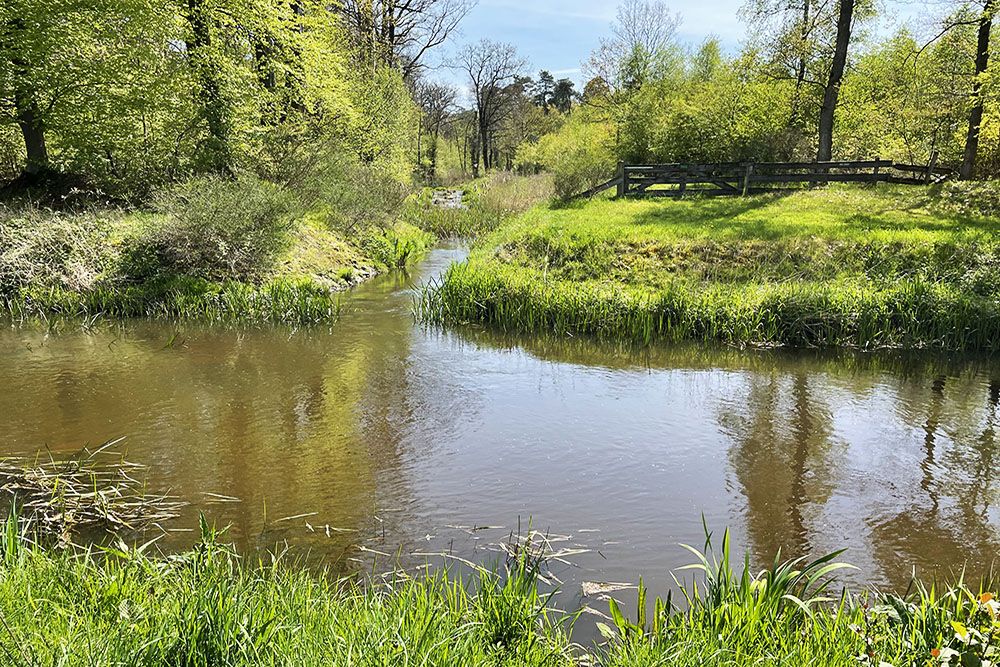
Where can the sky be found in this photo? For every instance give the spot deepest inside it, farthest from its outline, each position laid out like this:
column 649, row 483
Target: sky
column 558, row 35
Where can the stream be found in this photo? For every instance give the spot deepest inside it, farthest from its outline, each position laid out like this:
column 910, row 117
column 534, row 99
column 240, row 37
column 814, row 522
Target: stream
column 385, row 439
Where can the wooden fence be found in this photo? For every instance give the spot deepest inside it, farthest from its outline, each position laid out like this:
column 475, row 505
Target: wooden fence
column 744, row 178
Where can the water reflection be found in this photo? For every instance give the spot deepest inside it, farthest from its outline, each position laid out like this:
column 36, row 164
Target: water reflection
column 385, row 433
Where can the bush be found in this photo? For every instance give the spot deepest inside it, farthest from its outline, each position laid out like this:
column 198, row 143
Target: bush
column 45, row 248
column 578, row 155
column 215, row 228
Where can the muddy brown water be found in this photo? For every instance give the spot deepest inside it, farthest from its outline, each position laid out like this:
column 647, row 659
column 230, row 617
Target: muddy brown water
column 411, row 441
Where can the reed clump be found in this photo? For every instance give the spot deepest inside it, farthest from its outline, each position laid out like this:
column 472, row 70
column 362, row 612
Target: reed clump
column 94, row 491
column 844, row 267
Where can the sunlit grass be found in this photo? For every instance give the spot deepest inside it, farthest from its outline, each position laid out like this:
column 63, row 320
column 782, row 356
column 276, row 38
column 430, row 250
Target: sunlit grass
column 208, row 606
column 844, row 267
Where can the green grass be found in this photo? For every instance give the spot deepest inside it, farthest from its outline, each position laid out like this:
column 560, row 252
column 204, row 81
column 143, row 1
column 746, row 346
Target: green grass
column 209, row 607
column 833, row 267
column 78, row 266
column 487, row 203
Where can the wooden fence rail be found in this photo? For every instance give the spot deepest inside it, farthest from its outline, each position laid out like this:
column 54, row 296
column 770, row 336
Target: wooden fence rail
column 743, row 178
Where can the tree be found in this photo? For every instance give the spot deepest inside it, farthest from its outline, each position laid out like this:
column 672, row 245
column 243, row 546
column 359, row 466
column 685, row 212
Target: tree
column 831, row 91
column 968, row 168
column 437, row 101
column 563, row 95
column 642, row 35
column 543, row 90
column 399, row 33
column 490, row 66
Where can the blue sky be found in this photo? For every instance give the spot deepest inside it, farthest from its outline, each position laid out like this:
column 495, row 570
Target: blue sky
column 558, row 35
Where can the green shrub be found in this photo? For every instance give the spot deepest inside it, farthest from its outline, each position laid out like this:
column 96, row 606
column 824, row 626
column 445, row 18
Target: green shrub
column 215, row 228
column 46, row 248
column 579, row 156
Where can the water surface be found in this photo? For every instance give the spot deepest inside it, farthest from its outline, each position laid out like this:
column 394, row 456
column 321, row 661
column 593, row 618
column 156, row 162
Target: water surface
column 408, row 440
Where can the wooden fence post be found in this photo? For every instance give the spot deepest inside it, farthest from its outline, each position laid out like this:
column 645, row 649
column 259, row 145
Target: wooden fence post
column 621, row 180
column 747, row 175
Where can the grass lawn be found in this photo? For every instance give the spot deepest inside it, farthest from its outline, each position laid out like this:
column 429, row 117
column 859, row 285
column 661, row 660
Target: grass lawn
column 849, row 266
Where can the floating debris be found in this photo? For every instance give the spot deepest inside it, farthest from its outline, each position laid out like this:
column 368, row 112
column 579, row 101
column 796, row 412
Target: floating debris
column 592, row 588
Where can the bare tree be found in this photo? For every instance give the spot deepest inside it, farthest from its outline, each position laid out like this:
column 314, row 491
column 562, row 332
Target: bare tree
column 399, row 33
column 437, row 101
column 642, row 29
column 490, row 68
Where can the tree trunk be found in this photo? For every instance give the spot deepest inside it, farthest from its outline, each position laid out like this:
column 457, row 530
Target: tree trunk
column 845, row 17
column 33, row 132
column 432, row 150
column 484, row 142
column 968, row 168
column 210, row 95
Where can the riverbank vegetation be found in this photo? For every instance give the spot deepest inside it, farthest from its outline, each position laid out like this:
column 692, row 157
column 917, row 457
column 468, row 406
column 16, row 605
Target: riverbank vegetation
column 207, row 606
column 862, row 267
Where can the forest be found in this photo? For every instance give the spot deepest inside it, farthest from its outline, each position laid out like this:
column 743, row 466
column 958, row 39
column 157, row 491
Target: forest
column 126, row 97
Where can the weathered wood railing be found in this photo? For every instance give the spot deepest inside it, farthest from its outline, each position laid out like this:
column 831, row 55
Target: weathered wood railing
column 743, row 178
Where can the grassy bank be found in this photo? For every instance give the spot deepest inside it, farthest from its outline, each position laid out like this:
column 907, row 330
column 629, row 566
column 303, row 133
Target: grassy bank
column 892, row 267
column 486, row 204
column 209, row 607
column 214, row 250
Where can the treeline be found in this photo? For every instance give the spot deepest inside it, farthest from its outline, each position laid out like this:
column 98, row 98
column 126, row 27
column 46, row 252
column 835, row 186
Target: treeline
column 128, row 95
column 815, row 80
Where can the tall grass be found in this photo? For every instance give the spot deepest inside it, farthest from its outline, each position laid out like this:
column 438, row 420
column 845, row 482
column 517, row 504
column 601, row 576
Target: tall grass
column 486, row 204
column 840, row 268
column 278, row 301
column 790, row 614
column 210, row 607
column 910, row 314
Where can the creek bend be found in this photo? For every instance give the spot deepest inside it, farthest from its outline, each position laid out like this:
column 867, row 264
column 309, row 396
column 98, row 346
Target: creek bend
column 407, row 440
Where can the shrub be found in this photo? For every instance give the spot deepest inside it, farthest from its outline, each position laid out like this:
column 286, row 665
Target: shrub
column 215, row 228
column 45, row 248
column 578, row 156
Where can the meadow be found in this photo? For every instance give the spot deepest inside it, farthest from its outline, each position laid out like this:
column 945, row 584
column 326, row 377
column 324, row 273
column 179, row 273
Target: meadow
column 840, row 266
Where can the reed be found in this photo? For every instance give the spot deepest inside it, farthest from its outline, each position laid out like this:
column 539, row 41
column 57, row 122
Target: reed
column 91, row 491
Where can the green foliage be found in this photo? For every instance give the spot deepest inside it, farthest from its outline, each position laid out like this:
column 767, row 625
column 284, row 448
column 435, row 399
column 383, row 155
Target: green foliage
column 214, row 228
column 208, row 606
column 579, row 155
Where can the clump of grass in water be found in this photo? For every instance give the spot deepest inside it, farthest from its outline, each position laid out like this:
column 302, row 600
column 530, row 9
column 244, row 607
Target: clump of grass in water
column 279, row 301
column 89, row 491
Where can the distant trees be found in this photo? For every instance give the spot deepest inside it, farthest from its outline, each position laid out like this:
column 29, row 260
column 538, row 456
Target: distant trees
column 490, row 67
column 399, row 33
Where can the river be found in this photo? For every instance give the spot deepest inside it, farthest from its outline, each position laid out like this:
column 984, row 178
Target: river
column 396, row 438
